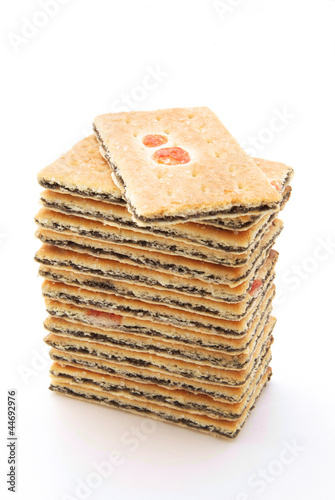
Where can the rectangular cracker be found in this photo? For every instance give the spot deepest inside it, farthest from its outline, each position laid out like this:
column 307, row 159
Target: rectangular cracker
column 202, row 423
column 227, row 355
column 105, row 303
column 220, row 178
column 215, row 308
column 173, row 264
column 113, row 322
column 109, row 275
column 141, row 298
column 56, row 221
column 226, row 394
column 174, row 398
column 201, row 235
column 187, row 369
column 166, row 347
column 83, row 172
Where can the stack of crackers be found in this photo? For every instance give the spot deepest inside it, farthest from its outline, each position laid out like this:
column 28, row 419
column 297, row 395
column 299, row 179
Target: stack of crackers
column 157, row 235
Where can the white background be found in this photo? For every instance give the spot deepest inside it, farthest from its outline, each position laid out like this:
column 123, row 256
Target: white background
column 250, row 61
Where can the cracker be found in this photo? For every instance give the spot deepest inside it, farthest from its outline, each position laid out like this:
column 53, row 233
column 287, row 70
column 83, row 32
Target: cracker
column 114, row 275
column 227, row 394
column 103, row 304
column 186, row 369
column 204, row 306
column 233, row 222
column 202, row 423
column 166, row 347
column 49, row 219
column 220, row 178
column 174, row 398
column 112, row 322
column 174, row 264
column 81, row 171
column 118, row 216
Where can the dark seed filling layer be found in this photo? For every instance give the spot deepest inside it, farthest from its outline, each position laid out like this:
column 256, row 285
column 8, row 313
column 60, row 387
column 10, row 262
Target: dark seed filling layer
column 86, row 193
column 136, row 278
column 149, row 262
column 189, row 355
column 89, row 193
column 161, row 414
column 121, row 358
column 55, row 226
column 145, row 411
column 112, row 287
column 231, row 224
column 107, row 286
column 57, row 356
column 156, row 333
column 168, row 231
column 158, row 398
column 145, row 347
column 142, row 313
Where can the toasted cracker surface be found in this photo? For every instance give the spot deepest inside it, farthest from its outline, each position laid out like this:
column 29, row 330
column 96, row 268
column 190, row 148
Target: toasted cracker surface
column 220, row 177
column 81, row 171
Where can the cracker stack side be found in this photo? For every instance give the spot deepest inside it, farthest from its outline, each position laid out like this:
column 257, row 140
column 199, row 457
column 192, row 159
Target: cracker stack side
column 169, row 319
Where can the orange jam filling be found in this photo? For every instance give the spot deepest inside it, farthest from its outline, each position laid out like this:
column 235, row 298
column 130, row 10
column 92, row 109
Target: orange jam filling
column 171, row 156
column 114, row 317
column 276, row 185
column 154, row 140
column 255, row 288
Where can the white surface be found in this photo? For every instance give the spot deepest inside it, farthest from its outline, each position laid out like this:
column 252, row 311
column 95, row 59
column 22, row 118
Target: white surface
column 260, row 58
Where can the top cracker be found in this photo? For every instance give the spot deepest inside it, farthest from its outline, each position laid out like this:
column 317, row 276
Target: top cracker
column 181, row 164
